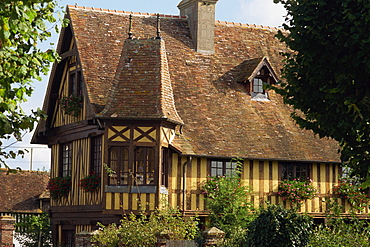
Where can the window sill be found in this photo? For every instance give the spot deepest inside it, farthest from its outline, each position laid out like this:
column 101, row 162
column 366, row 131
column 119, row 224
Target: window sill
column 149, row 189
column 260, row 97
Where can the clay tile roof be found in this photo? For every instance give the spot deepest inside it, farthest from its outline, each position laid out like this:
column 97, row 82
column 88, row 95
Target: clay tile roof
column 219, row 116
column 142, row 87
column 21, row 191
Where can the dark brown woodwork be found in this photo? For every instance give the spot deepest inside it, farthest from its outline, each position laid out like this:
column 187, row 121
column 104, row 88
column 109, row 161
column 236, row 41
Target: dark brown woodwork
column 69, row 53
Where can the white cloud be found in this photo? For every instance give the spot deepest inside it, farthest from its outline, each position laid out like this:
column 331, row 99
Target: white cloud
column 261, row 12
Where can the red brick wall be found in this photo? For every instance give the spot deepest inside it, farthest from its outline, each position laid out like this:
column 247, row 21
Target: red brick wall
column 6, row 230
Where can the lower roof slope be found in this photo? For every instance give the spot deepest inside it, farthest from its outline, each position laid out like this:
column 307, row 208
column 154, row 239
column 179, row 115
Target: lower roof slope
column 220, row 118
column 19, row 192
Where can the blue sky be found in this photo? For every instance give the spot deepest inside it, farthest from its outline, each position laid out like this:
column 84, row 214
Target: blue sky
column 261, row 12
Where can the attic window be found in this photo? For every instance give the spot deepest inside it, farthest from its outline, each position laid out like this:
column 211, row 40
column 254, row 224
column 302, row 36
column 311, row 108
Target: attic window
column 258, row 91
column 256, row 73
column 258, row 85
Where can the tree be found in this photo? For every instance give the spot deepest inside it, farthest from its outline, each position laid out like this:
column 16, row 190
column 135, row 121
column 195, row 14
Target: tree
column 327, row 74
column 34, row 231
column 23, row 24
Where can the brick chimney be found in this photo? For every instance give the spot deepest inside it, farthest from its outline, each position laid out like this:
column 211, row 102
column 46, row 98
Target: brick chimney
column 201, row 18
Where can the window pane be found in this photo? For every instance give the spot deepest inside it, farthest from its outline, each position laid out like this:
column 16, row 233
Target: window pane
column 292, row 170
column 96, row 154
column 223, row 168
column 144, row 166
column 150, row 167
column 124, row 169
column 257, row 85
column 113, row 165
column 66, row 159
column 118, row 162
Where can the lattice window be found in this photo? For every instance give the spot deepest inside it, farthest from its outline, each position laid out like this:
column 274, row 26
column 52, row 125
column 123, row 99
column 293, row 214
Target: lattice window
column 118, row 163
column 295, row 170
column 144, row 166
column 223, row 168
column 66, row 160
column 96, row 154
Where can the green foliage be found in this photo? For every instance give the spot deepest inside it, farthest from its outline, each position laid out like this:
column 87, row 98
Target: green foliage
column 91, row 182
column 277, row 226
column 230, row 211
column 34, row 231
column 23, row 24
column 341, row 233
column 72, row 104
column 296, row 191
column 349, row 189
column 226, row 199
column 327, row 73
column 339, row 230
column 139, row 231
column 59, row 187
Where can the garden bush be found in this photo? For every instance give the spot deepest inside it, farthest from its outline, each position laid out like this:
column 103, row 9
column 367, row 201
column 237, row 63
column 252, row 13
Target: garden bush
column 140, row 230
column 341, row 233
column 279, row 227
column 228, row 202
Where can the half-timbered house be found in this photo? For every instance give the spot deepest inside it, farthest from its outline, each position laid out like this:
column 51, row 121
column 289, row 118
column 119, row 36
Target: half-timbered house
column 164, row 101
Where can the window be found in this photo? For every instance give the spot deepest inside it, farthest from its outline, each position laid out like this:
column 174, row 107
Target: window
column 295, row 170
column 144, row 166
column 258, row 85
column 66, row 160
column 75, row 82
column 262, row 77
column 118, row 163
column 223, row 168
column 165, row 164
column 96, row 154
column 140, row 173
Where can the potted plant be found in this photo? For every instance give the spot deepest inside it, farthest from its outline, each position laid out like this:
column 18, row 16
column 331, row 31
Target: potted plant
column 296, row 191
column 91, row 182
column 71, row 104
column 59, row 187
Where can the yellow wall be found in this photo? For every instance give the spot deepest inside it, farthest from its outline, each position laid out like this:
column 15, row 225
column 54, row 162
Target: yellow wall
column 80, row 169
column 60, row 118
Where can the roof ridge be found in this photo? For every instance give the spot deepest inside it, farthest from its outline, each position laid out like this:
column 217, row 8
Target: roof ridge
column 238, row 24
column 227, row 23
column 127, row 12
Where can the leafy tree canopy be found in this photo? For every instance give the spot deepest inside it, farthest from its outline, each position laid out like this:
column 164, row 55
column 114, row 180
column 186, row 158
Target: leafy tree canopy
column 328, row 73
column 23, row 24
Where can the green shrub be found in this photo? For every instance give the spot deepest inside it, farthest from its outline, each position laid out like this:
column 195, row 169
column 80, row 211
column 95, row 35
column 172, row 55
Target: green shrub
column 227, row 200
column 230, row 210
column 140, row 230
column 342, row 233
column 279, row 227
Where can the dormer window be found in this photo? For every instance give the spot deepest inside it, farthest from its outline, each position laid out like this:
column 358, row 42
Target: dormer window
column 255, row 74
